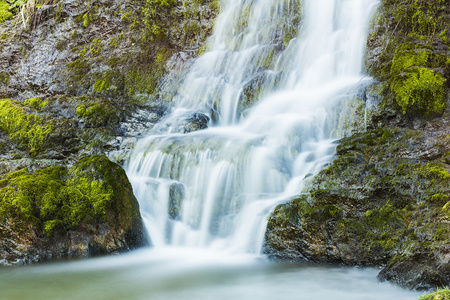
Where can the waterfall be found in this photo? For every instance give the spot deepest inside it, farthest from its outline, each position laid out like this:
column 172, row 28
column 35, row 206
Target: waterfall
column 272, row 83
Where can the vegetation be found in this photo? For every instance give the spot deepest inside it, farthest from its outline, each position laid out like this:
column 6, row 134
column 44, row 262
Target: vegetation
column 60, row 198
column 417, row 87
column 5, row 14
column 98, row 113
column 26, row 130
column 440, row 294
column 413, row 63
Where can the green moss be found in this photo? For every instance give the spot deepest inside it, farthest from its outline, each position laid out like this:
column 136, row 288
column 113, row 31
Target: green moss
column 421, row 18
column 144, row 80
column 37, row 103
column 444, row 36
column 5, row 14
column 446, row 157
column 88, row 17
column 416, row 87
column 201, row 50
column 97, row 114
column 422, row 90
column 94, row 190
column 16, row 155
column 441, row 234
column 4, row 78
column 215, row 5
column 101, row 84
column 26, row 130
column 433, row 171
column 441, row 294
column 165, row 2
column 113, row 42
column 322, row 213
column 81, row 109
column 95, row 47
column 80, row 66
column 439, row 199
column 47, row 200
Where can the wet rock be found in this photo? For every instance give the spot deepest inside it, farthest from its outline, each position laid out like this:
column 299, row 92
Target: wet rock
column 383, row 202
column 176, row 196
column 197, row 121
column 102, row 79
column 421, row 270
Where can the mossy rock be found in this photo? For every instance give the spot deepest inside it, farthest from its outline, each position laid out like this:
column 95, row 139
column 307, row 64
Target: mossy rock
column 408, row 53
column 93, row 199
column 384, row 201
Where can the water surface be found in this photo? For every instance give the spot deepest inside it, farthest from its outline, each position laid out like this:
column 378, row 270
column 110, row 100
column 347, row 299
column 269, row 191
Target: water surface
column 172, row 273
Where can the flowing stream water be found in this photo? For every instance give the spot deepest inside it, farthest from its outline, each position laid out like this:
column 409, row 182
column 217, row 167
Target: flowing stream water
column 273, row 82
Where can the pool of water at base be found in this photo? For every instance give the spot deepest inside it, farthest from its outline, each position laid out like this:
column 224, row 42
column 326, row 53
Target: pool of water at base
column 171, row 273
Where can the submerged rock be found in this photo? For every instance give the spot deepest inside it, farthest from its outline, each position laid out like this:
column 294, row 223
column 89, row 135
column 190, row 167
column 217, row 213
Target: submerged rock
column 176, row 196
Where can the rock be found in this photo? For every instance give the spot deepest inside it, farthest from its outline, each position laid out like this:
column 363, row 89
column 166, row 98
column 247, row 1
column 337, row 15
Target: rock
column 197, row 121
column 383, row 202
column 87, row 210
column 176, row 196
column 92, row 77
column 420, row 270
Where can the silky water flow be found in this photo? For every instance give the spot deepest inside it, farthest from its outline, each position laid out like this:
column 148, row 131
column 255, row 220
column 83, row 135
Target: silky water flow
column 273, row 82
column 216, row 187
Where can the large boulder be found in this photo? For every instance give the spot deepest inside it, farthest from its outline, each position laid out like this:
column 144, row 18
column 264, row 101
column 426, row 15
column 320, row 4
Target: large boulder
column 384, row 201
column 56, row 212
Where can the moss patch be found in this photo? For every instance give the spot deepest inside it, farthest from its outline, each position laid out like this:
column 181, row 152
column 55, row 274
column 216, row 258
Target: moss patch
column 98, row 113
column 417, row 87
column 5, row 14
column 441, row 294
column 26, row 130
column 92, row 191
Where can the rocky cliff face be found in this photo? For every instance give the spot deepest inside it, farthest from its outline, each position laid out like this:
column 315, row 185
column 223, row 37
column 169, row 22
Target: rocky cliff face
column 385, row 199
column 116, row 50
column 80, row 79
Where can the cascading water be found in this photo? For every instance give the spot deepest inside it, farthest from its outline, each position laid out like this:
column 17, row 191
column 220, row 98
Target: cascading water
column 215, row 188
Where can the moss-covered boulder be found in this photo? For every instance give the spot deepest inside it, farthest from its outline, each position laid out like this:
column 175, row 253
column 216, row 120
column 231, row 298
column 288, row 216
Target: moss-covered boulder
column 58, row 212
column 384, row 201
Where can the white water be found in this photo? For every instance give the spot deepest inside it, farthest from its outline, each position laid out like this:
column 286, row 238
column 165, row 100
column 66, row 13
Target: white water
column 162, row 274
column 229, row 177
column 234, row 173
